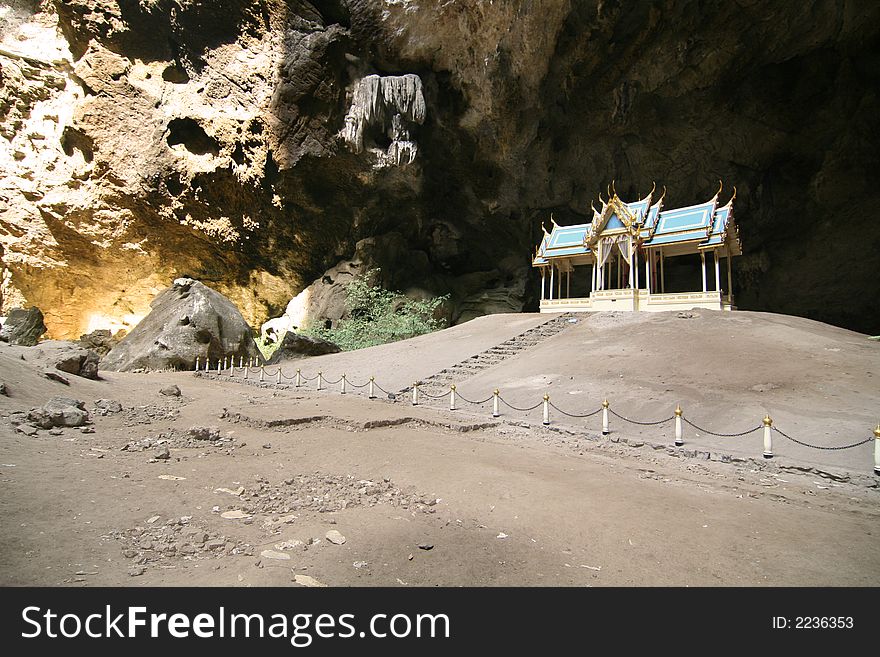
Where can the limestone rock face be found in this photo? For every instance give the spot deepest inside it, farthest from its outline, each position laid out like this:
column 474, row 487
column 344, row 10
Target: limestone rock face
column 188, row 320
column 294, row 345
column 23, row 327
column 249, row 144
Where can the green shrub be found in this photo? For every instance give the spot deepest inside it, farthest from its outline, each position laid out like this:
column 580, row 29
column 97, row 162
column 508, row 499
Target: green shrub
column 377, row 316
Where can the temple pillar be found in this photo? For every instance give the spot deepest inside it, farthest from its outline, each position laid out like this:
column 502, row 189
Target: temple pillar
column 729, row 279
column 662, row 274
column 703, row 261
column 543, row 274
column 552, row 273
column 568, row 284
column 648, row 262
column 717, row 272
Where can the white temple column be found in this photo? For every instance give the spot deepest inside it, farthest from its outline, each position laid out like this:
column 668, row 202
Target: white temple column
column 648, row 261
column 568, row 284
column 729, row 279
column 543, row 274
column 635, row 260
column 703, row 261
column 593, row 277
column 717, row 272
column 559, row 285
column 632, row 266
column 552, row 274
column 662, row 274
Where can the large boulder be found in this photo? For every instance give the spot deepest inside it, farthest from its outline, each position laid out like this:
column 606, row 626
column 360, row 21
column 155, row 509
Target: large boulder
column 294, row 345
column 101, row 341
column 189, row 320
column 23, row 327
column 60, row 412
column 67, row 357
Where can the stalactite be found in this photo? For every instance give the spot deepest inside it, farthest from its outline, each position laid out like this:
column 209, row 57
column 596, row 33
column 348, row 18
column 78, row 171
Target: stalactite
column 382, row 101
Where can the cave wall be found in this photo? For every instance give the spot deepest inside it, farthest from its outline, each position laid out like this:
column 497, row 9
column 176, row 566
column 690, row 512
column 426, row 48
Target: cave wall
column 141, row 141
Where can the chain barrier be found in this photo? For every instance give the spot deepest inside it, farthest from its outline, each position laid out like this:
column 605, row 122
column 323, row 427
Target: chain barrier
column 422, row 393
column 721, row 435
column 830, row 449
column 556, row 408
column 232, row 369
column 475, row 403
column 644, row 424
column 523, row 410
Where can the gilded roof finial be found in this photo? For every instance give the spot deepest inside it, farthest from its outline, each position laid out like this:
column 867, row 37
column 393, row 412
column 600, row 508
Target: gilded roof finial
column 552, row 220
column 720, row 187
column 613, row 188
column 732, row 197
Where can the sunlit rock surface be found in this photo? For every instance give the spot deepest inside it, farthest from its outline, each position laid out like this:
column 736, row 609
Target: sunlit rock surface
column 252, row 144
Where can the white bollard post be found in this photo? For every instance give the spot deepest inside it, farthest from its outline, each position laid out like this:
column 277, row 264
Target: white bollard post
column 546, row 409
column 605, row 417
column 197, row 363
column 240, row 362
column 768, row 439
column 495, row 394
column 415, row 393
column 452, row 397
column 372, row 381
column 678, row 441
column 320, row 379
column 299, row 377
column 262, row 373
column 207, row 363
column 224, row 362
column 218, row 366
column 342, row 385
column 247, row 371
column 279, row 375
column 877, row 451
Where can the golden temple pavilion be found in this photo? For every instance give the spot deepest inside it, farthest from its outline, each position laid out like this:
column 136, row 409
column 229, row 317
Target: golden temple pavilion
column 619, row 260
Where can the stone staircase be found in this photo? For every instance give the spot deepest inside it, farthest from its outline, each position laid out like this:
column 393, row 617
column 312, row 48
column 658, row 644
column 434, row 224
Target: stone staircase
column 439, row 383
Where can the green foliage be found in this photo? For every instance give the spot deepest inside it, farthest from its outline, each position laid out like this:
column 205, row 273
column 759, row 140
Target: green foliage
column 377, row 316
column 267, row 348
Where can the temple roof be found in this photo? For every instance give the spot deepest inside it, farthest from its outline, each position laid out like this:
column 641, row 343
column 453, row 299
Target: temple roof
column 704, row 225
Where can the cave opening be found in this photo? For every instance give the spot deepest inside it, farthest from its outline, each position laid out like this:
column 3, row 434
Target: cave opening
column 76, row 140
column 193, row 137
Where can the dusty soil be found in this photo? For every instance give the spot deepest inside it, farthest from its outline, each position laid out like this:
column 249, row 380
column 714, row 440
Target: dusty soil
column 238, row 483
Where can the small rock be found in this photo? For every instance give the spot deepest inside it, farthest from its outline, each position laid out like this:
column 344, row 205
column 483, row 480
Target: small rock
column 306, row 580
column 272, row 554
column 87, row 430
column 267, row 446
column 108, row 405
column 152, row 519
column 426, row 546
column 237, row 491
column 335, row 537
column 289, row 545
column 54, row 376
column 359, row 564
column 163, row 454
column 4, row 390
column 215, row 544
column 26, row 429
column 235, row 514
column 170, row 391
column 56, row 432
column 136, row 571
column 129, row 553
column 171, row 477
column 501, row 535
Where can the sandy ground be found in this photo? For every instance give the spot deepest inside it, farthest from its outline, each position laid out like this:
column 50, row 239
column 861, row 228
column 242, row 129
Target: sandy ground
column 501, row 501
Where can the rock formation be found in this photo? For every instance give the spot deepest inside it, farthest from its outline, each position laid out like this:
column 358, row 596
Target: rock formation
column 189, row 320
column 143, row 141
column 23, row 327
column 294, row 345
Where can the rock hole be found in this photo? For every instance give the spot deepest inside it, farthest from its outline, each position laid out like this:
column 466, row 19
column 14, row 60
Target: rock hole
column 193, row 137
column 73, row 139
column 203, row 336
column 175, row 74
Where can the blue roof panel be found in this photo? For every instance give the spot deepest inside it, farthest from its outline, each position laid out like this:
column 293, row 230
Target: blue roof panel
column 690, row 218
column 680, row 237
